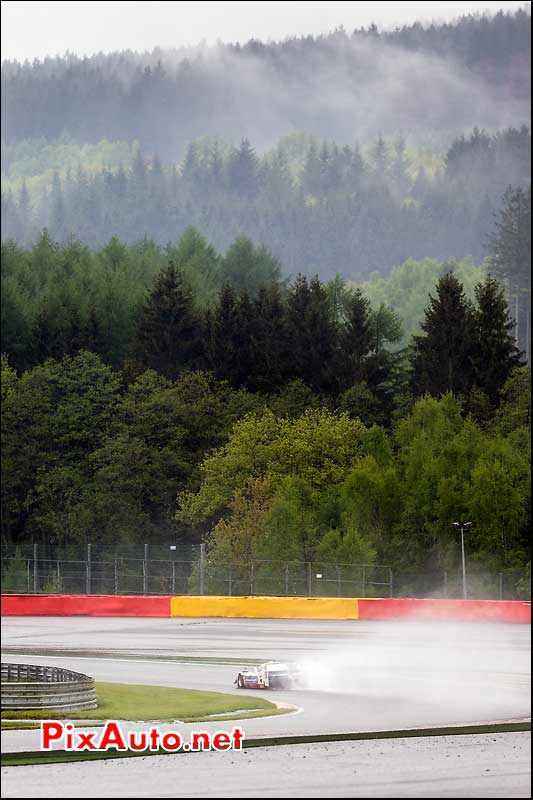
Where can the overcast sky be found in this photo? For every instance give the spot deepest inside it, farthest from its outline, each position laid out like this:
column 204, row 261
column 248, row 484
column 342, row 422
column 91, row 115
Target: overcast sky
column 36, row 29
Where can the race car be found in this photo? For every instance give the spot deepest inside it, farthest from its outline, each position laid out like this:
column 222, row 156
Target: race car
column 270, row 675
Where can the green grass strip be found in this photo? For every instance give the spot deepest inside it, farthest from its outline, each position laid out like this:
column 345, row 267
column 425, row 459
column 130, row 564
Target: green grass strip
column 130, row 702
column 61, row 756
column 22, row 725
column 15, row 725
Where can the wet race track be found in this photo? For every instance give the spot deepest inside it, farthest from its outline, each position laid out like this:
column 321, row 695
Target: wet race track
column 363, row 676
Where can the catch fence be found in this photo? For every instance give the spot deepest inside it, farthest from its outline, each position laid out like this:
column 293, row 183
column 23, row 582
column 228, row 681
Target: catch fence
column 179, row 570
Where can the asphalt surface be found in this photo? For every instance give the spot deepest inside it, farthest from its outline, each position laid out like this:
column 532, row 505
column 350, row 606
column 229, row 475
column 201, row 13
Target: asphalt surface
column 489, row 765
column 364, row 676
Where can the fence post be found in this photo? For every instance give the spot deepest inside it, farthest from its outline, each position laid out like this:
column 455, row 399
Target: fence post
column 229, row 580
column 58, row 578
column 338, row 572
column 363, row 592
column 88, row 572
column 252, row 578
column 390, row 581
column 35, row 567
column 202, row 568
column 501, row 585
column 28, row 574
column 286, row 579
column 445, row 585
column 116, row 576
column 145, row 570
column 173, row 577
column 309, row 579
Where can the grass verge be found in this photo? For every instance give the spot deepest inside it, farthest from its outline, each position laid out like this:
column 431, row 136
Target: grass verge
column 28, row 725
column 158, row 703
column 19, row 725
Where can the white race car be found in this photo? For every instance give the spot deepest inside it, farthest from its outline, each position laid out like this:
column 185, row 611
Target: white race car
column 270, row 675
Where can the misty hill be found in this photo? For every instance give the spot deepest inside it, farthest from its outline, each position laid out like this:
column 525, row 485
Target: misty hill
column 428, row 83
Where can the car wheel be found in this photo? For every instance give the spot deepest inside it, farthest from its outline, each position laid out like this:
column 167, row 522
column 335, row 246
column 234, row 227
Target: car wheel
column 240, row 682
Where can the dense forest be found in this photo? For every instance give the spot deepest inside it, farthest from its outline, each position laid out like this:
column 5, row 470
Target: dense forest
column 55, row 295
column 319, row 208
column 272, row 297
column 274, row 408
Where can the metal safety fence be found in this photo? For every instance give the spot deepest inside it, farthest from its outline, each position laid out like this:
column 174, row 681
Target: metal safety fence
column 28, row 686
column 175, row 570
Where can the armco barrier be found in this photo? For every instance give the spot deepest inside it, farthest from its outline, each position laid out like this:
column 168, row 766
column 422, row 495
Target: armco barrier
column 446, row 610
column 30, row 686
column 265, row 607
column 73, row 605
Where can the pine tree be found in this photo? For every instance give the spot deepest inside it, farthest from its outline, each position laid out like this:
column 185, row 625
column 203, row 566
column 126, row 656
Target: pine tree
column 496, row 354
column 216, row 167
column 25, row 212
column 311, row 173
column 223, row 326
column 384, row 371
column 190, row 170
column 443, row 357
column 380, row 157
column 356, row 339
column 43, row 343
column 138, row 169
column 169, row 328
column 243, row 170
column 510, row 258
column 13, row 226
column 312, row 335
column 73, row 337
column 421, row 185
column 43, row 258
column 356, row 168
column 276, row 178
column 14, row 326
column 298, row 301
column 243, row 368
column 91, row 336
column 247, row 267
column 57, row 209
column 324, row 160
column 271, row 342
column 120, row 182
column 199, row 262
column 399, row 167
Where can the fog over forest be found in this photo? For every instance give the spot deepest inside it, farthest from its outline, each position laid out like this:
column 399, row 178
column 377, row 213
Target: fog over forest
column 426, row 83
column 343, row 154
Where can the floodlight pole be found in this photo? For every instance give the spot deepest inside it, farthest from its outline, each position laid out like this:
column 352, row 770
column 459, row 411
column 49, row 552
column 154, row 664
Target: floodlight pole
column 463, row 526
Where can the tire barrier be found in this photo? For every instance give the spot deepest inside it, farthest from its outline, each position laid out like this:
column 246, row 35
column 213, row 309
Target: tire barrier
column 508, row 611
column 30, row 687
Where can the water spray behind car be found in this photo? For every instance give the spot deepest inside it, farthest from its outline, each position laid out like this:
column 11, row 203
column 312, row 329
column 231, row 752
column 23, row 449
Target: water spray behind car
column 441, row 665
